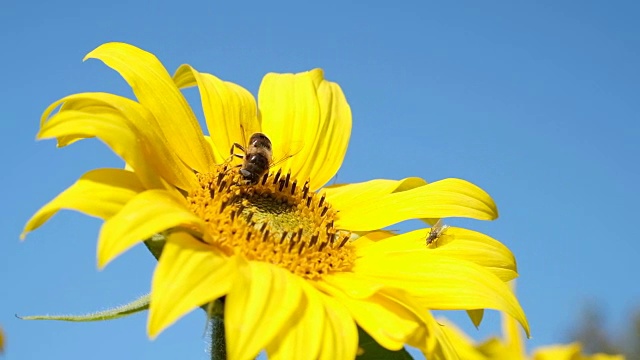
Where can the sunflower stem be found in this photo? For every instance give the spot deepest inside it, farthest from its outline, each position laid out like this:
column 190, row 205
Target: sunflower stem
column 218, row 348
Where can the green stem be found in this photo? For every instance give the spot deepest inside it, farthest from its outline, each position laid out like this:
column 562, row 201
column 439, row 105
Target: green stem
column 218, row 348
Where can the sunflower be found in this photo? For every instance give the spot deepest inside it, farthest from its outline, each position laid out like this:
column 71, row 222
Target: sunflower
column 512, row 347
column 300, row 267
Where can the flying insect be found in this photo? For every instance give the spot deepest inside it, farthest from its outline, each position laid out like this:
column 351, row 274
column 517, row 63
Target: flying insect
column 436, row 231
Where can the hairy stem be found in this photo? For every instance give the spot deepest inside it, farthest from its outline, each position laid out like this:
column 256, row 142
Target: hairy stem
column 218, row 348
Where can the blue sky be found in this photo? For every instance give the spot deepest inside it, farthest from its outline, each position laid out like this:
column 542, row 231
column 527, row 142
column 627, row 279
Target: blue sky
column 535, row 102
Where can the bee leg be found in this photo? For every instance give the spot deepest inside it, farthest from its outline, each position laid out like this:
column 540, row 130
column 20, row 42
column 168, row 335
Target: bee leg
column 236, row 145
column 233, row 147
column 236, row 155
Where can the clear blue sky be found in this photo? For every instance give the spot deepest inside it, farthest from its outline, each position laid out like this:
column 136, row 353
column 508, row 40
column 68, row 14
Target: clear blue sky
column 537, row 103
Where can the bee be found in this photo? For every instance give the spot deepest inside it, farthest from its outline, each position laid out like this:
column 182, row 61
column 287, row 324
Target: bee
column 257, row 157
column 436, row 230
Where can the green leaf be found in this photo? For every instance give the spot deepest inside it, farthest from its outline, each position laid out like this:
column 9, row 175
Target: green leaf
column 156, row 243
column 371, row 350
column 133, row 307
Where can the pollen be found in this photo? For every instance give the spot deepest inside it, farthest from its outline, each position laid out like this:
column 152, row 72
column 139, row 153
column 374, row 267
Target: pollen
column 277, row 220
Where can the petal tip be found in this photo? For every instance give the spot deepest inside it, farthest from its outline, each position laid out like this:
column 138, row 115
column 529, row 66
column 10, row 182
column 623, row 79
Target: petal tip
column 152, row 330
column 101, row 264
column 495, row 213
column 91, row 54
column 152, row 334
column 155, row 324
column 102, row 259
column 95, row 53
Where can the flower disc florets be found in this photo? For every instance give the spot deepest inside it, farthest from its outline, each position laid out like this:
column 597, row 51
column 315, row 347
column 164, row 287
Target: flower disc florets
column 276, row 221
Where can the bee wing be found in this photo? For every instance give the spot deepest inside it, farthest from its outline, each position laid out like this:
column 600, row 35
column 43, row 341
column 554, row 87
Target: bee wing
column 438, row 226
column 281, row 155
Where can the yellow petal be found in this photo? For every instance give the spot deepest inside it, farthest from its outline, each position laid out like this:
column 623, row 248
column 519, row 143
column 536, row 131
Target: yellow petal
column 439, row 345
column 600, row 356
column 325, row 330
column 512, row 335
column 334, row 131
column 350, row 195
column 400, row 310
column 110, row 128
column 454, row 242
column 461, row 342
column 558, row 352
column 443, row 283
column 156, row 91
column 494, row 348
column 340, row 333
column 189, row 274
column 290, row 116
column 386, row 319
column 228, row 109
column 444, row 198
column 76, row 104
column 100, row 193
column 126, row 113
column 261, row 303
column 148, row 213
column 304, row 339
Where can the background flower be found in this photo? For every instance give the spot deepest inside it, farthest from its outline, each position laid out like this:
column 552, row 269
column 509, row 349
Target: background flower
column 512, row 345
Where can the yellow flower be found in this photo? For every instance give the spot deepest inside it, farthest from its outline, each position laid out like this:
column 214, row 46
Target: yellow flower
column 299, row 266
column 511, row 346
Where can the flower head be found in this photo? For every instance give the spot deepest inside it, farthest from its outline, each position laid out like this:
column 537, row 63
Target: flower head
column 299, row 266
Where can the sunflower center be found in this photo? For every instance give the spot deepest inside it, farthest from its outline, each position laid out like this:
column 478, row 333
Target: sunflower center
column 275, row 220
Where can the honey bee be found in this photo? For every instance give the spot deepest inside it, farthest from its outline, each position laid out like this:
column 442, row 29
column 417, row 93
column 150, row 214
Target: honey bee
column 436, row 230
column 257, row 157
